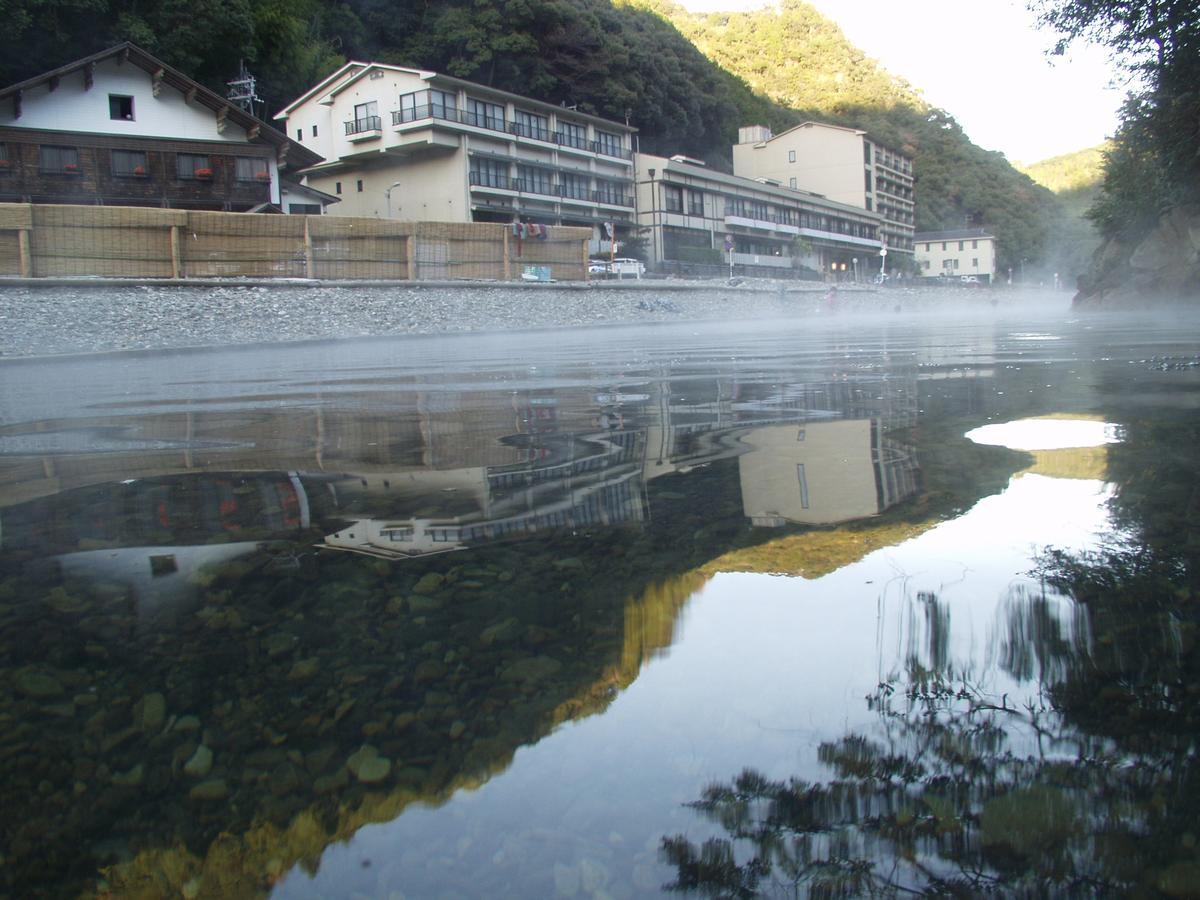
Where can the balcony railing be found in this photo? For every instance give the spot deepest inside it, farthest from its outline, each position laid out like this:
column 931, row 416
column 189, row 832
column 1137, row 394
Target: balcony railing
column 527, row 130
column 428, row 111
column 366, row 123
column 490, row 179
column 607, row 149
column 573, row 192
column 612, row 198
column 533, row 186
column 569, row 140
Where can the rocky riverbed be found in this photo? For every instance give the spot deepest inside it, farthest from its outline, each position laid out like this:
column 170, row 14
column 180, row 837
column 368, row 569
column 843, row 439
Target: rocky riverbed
column 69, row 317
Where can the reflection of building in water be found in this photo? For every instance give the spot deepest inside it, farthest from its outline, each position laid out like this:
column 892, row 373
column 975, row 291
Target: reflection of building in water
column 823, row 472
column 587, row 480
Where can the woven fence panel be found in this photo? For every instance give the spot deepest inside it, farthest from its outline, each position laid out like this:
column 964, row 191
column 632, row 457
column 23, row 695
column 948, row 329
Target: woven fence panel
column 359, row 248
column 114, row 242
column 239, row 245
column 15, row 215
column 452, row 250
column 10, row 253
column 563, row 251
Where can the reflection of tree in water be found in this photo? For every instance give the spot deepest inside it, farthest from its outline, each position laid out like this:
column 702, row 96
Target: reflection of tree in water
column 940, row 804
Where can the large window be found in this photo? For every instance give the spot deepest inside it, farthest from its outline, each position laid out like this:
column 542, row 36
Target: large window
column 610, row 192
column 489, row 172
column 672, row 197
column 485, row 115
column 250, row 169
column 531, row 125
column 5, row 162
column 695, row 203
column 58, row 160
column 427, row 104
column 572, row 135
column 366, row 118
column 129, row 163
column 609, row 144
column 535, row 180
column 574, row 187
column 192, row 165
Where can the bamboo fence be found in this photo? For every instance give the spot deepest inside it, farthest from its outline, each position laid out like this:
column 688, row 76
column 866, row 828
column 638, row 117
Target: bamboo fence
column 47, row 241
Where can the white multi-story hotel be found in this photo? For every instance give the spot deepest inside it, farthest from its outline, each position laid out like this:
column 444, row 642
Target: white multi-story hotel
column 410, row 144
column 843, row 164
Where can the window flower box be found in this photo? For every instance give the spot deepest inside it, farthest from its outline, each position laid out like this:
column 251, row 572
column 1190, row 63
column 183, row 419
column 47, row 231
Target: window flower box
column 139, row 171
column 71, row 169
column 5, row 165
column 263, row 176
column 204, row 174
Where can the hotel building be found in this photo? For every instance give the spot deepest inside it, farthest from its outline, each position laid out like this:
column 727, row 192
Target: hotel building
column 843, row 164
column 410, row 144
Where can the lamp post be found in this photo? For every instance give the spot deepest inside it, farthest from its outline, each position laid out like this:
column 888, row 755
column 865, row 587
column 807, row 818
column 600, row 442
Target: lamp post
column 388, row 194
column 653, row 219
column 855, row 261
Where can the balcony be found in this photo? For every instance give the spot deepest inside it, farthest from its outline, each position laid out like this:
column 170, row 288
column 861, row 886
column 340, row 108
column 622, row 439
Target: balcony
column 571, row 141
column 606, row 149
column 611, row 198
column 490, row 180
column 527, row 130
column 533, row 186
column 574, row 192
column 364, row 129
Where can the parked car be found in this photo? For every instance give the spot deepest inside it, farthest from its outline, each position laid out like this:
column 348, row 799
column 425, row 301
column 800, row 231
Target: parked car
column 597, row 266
column 622, row 266
column 969, row 279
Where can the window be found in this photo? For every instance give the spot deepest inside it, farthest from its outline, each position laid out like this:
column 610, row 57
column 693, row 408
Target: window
column 304, row 209
column 531, row 125
column 960, row 245
column 360, row 185
column 609, row 144
column 609, row 192
column 314, row 131
column 572, row 135
column 337, row 187
column 943, row 246
column 444, row 104
column 695, row 203
column 866, row 153
column 489, row 172
column 299, row 134
column 192, row 165
column 120, row 107
column 791, row 156
column 573, row 186
column 672, row 198
column 534, row 180
column 867, row 180
column 868, row 204
column 792, row 183
column 485, row 115
column 129, row 163
column 58, row 160
column 366, row 118
column 974, row 245
column 247, row 168
column 5, row 162
column 975, row 262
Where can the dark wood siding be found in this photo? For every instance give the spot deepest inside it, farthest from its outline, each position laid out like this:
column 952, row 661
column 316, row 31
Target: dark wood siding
column 23, row 180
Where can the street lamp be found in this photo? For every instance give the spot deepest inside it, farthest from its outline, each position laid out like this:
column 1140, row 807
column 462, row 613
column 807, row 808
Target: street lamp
column 388, row 195
column 653, row 219
column 855, row 261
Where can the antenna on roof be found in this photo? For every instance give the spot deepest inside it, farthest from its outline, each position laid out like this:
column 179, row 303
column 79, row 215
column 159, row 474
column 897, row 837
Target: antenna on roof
column 243, row 89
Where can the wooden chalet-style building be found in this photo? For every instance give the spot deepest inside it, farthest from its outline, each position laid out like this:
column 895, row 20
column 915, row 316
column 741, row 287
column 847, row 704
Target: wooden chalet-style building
column 121, row 128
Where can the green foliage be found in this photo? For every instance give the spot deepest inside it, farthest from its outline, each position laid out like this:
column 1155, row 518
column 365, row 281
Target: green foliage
column 1070, row 172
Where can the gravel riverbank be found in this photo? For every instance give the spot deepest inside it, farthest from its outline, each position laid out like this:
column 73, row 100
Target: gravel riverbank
column 66, row 318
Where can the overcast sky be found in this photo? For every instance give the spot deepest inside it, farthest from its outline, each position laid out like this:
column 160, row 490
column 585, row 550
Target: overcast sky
column 984, row 62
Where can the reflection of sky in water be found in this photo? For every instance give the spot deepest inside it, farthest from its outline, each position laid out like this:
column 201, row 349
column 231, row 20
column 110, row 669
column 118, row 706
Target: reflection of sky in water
column 762, row 670
column 1046, row 434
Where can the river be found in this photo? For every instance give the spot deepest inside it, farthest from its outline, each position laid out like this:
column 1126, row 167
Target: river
column 811, row 606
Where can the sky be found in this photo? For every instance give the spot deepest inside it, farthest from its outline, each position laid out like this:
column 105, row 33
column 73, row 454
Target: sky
column 984, row 62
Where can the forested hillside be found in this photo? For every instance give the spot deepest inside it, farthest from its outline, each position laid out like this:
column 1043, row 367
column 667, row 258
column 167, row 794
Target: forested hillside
column 686, row 81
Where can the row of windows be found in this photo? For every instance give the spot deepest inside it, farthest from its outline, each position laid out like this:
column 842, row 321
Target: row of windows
column 60, row 160
column 437, row 104
column 949, row 264
column 763, row 212
column 497, row 173
column 961, row 245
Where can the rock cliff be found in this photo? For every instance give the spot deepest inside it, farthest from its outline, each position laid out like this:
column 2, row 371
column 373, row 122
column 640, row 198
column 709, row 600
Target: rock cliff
column 1162, row 266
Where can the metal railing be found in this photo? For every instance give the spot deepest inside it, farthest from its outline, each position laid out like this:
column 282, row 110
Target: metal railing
column 366, row 123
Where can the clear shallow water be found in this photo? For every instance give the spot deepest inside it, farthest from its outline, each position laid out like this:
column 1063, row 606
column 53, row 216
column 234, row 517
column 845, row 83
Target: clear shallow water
column 488, row 616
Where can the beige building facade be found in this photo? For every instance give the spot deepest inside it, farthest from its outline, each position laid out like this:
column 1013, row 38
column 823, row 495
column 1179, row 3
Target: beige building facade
column 964, row 253
column 410, row 144
column 843, row 164
column 695, row 215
